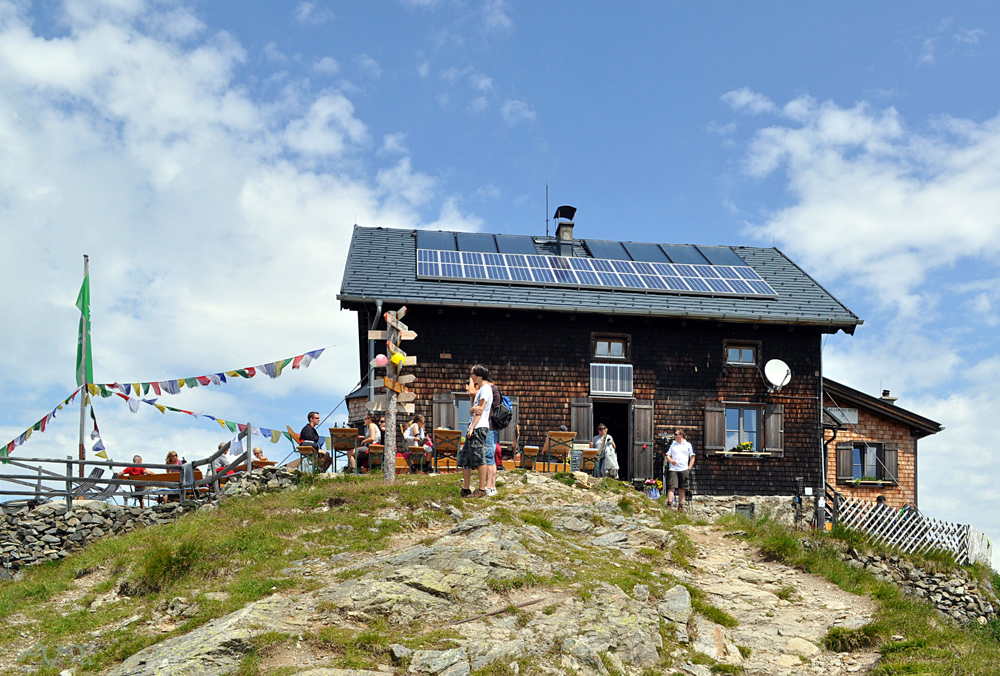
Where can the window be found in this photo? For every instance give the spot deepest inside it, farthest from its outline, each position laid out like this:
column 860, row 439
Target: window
column 741, row 353
column 866, row 462
column 730, row 424
column 462, row 407
column 743, row 427
column 611, row 347
column 612, row 379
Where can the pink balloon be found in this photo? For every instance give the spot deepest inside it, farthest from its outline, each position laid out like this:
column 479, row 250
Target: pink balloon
column 381, row 360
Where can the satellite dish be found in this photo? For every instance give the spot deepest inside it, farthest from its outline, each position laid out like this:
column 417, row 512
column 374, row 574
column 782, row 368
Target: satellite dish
column 777, row 373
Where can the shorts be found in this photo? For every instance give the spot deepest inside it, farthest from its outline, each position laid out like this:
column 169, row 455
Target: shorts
column 680, row 479
column 490, row 449
column 473, row 453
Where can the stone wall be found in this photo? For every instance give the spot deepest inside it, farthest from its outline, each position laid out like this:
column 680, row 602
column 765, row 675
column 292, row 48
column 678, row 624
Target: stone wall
column 956, row 593
column 781, row 507
column 49, row 532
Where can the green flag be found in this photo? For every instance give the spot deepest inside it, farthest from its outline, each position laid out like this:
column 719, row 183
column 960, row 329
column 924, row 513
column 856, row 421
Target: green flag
column 84, row 363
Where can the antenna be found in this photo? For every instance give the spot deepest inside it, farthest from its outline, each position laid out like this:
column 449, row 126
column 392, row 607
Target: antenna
column 546, row 208
column 777, row 374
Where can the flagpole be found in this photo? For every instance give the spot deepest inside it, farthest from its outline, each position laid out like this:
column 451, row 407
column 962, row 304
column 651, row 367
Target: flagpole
column 83, row 394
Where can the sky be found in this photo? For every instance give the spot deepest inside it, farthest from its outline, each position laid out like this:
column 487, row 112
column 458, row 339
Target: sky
column 212, row 157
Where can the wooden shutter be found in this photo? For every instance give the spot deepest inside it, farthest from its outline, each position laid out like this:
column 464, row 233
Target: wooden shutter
column 641, row 457
column 845, row 461
column 581, row 418
column 507, row 434
column 715, row 426
column 890, row 461
column 443, row 410
column 774, row 429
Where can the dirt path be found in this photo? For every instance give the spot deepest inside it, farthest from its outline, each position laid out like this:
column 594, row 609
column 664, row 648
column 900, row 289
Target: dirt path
column 784, row 636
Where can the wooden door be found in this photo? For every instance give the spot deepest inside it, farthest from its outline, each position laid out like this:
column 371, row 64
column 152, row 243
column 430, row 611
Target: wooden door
column 581, row 419
column 643, row 443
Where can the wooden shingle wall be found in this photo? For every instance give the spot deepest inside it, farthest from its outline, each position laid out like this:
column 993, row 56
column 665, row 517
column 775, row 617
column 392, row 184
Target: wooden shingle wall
column 873, row 428
column 544, row 359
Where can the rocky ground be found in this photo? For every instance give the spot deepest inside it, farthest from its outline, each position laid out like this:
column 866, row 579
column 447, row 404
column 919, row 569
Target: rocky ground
column 586, row 587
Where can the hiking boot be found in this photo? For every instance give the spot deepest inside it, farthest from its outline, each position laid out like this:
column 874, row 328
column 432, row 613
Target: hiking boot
column 479, row 493
column 466, row 492
column 491, row 492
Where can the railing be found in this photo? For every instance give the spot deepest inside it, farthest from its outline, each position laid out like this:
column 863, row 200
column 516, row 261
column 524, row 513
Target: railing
column 45, row 485
column 912, row 532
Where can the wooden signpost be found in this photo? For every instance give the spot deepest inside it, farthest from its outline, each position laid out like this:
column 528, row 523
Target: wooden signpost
column 396, row 396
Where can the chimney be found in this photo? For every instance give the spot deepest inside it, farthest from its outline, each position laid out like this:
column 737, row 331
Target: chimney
column 887, row 399
column 564, row 229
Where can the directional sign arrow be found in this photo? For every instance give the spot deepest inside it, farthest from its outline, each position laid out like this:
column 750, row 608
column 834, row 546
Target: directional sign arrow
column 378, row 335
column 406, row 396
column 406, row 379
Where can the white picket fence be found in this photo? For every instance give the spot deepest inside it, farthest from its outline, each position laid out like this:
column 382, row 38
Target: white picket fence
column 912, row 532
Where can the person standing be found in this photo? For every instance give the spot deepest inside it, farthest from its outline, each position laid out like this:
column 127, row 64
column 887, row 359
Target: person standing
column 679, row 460
column 310, row 437
column 373, row 436
column 473, row 453
column 605, row 445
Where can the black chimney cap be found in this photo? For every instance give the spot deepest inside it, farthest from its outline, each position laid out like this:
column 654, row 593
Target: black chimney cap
column 565, row 211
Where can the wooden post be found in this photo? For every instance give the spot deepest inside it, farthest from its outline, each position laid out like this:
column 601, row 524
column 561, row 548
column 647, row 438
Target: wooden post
column 391, row 372
column 69, row 482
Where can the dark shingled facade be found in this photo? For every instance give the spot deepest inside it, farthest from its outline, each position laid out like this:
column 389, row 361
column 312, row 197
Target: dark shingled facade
column 540, row 343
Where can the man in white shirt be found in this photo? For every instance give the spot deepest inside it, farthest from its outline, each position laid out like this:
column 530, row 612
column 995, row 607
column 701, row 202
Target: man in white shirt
column 679, row 460
column 473, row 453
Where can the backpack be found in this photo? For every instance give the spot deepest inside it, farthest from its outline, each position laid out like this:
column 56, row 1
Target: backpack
column 501, row 412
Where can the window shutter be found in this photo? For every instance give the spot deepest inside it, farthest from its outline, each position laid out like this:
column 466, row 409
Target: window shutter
column 443, row 410
column 845, row 461
column 774, row 429
column 581, row 418
column 715, row 426
column 890, row 450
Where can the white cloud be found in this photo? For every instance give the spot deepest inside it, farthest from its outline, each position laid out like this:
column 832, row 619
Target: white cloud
column 451, row 218
column 312, row 13
column 217, row 229
column 423, row 69
column 392, row 144
column 721, row 130
column 928, row 52
column 744, row 99
column 273, row 53
column 495, row 16
column 906, row 224
column 515, row 112
column 327, row 66
column 478, row 104
column 970, row 36
column 488, row 191
column 370, row 66
column 482, row 82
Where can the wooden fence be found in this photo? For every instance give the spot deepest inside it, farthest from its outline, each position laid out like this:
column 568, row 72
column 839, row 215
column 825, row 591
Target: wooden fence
column 912, row 532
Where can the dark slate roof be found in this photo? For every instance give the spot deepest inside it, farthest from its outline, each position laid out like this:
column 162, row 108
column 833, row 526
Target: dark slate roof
column 381, row 264
column 844, row 396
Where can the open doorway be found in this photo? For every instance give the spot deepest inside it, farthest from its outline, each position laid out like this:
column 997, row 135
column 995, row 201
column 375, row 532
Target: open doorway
column 615, row 416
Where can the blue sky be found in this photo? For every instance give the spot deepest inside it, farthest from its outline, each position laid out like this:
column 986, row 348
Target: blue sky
column 211, row 157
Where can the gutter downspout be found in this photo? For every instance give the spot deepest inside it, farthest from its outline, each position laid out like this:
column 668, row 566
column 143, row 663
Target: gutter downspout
column 371, row 349
column 821, row 492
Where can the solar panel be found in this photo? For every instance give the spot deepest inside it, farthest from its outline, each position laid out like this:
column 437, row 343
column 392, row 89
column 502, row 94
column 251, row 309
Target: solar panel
column 536, row 269
column 683, row 253
column 476, row 241
column 600, row 248
column 515, row 244
column 720, row 255
column 642, row 251
column 436, row 239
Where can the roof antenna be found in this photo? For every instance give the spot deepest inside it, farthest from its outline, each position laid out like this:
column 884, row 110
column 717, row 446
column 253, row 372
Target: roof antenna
column 546, row 209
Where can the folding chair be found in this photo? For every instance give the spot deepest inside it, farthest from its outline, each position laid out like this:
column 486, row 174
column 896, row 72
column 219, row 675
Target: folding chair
column 402, row 467
column 558, row 446
column 307, row 458
column 85, row 487
column 529, row 457
column 588, row 461
column 416, row 459
column 446, row 445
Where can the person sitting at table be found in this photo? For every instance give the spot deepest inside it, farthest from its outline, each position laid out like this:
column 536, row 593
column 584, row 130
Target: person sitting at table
column 373, row 435
column 416, row 435
column 310, row 437
column 258, row 454
column 172, row 458
column 134, row 472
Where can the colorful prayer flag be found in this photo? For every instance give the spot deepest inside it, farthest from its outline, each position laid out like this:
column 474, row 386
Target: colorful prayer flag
column 84, row 358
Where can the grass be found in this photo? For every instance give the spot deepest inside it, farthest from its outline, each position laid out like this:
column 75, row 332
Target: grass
column 931, row 645
column 247, row 548
column 536, row 519
column 682, row 549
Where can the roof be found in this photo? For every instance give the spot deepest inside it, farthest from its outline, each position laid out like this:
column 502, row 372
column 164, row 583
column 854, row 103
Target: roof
column 842, row 394
column 381, row 265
